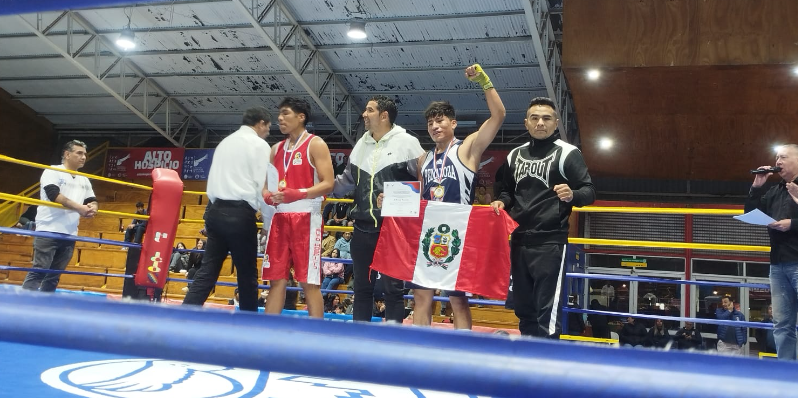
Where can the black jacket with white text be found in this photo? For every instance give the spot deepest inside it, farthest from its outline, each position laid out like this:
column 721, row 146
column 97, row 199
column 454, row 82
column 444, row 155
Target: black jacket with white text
column 528, row 189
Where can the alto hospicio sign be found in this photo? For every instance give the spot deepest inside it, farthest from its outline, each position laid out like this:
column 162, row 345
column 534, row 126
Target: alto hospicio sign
column 634, row 262
column 140, row 162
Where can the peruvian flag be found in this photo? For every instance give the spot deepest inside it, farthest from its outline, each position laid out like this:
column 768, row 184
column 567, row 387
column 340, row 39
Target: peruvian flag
column 448, row 246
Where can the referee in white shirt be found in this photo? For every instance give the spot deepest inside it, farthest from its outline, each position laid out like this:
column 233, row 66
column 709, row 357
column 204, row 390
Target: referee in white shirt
column 235, row 189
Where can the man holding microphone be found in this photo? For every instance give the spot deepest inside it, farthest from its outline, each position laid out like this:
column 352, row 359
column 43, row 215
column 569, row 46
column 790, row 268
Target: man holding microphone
column 781, row 203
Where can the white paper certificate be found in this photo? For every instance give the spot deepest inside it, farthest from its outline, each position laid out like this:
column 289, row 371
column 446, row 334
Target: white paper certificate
column 402, row 199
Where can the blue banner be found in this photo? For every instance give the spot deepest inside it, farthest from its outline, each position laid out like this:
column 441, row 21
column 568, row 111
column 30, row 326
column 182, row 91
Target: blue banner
column 197, row 164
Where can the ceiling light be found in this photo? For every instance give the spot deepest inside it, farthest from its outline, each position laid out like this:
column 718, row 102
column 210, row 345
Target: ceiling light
column 776, row 148
column 605, row 143
column 795, row 70
column 357, row 29
column 126, row 40
column 593, row 74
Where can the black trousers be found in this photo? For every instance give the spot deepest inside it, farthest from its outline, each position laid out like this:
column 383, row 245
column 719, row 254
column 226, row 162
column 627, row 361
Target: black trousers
column 538, row 282
column 362, row 249
column 231, row 227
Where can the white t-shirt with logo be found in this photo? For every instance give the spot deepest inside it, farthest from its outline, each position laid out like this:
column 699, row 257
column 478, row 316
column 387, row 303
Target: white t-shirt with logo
column 62, row 220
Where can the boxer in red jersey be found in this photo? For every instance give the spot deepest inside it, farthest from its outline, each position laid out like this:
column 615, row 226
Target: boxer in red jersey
column 305, row 171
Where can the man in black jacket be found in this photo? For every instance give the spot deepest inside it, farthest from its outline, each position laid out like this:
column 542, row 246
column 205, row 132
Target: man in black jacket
column 689, row 337
column 544, row 179
column 781, row 203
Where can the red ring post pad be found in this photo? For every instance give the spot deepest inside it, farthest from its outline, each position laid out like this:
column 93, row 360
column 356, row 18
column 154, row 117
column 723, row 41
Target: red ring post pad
column 156, row 248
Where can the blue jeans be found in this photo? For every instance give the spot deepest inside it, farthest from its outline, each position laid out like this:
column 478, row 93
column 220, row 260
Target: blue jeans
column 331, row 282
column 49, row 254
column 784, row 294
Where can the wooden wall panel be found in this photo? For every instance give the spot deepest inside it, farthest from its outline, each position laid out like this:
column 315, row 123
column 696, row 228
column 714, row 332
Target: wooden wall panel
column 634, row 33
column 700, row 123
column 25, row 136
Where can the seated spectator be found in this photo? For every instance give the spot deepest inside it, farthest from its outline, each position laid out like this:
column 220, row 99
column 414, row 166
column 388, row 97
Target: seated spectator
column 633, row 334
column 482, row 197
column 340, row 215
column 379, row 308
column 343, row 245
column 135, row 230
column 340, row 309
column 689, row 338
column 347, row 306
column 658, row 335
column 331, row 301
column 28, row 219
column 179, row 261
column 765, row 336
column 599, row 323
column 333, row 272
column 327, row 244
column 234, row 300
column 195, row 259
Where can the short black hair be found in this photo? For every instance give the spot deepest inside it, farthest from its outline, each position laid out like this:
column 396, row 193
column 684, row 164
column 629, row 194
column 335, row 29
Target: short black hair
column 139, row 204
column 439, row 108
column 385, row 104
column 544, row 101
column 298, row 105
column 254, row 115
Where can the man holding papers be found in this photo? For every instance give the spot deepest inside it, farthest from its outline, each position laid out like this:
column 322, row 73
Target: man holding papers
column 781, row 203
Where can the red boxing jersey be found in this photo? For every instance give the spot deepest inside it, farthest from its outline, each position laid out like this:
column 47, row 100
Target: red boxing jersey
column 293, row 164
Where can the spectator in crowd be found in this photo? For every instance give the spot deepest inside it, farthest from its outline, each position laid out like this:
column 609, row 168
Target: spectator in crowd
column 767, row 343
column 28, row 219
column 658, row 335
column 688, row 337
column 347, row 306
column 576, row 323
column 730, row 339
column 333, row 272
column 76, row 195
column 135, row 230
column 340, row 309
column 234, row 300
column 343, row 245
column 179, row 261
column 482, row 197
column 327, row 244
column 331, row 301
column 340, row 215
column 195, row 259
column 599, row 323
column 633, row 334
column 379, row 308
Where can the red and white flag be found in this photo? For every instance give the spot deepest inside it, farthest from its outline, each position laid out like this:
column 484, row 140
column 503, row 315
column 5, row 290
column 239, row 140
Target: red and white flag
column 448, row 246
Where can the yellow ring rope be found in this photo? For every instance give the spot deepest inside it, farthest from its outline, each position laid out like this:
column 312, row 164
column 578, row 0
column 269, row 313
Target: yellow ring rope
column 32, row 201
column 78, row 173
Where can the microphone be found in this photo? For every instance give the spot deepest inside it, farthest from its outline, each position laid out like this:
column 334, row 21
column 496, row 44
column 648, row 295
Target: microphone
column 768, row 170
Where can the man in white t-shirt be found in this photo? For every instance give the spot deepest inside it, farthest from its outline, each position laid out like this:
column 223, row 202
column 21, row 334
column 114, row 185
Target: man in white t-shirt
column 76, row 195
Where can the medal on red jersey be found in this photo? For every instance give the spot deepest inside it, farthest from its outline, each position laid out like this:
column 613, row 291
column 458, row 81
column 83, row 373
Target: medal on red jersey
column 287, row 159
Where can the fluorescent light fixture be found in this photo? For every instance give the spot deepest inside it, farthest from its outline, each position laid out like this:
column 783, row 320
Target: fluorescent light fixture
column 593, row 74
column 357, row 29
column 795, row 70
column 126, row 40
column 605, row 143
column 466, row 122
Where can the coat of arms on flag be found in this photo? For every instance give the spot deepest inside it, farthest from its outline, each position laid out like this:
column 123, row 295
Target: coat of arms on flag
column 448, row 246
column 441, row 246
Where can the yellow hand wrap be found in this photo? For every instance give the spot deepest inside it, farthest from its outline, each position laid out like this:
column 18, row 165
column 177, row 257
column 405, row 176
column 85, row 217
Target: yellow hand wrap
column 481, row 77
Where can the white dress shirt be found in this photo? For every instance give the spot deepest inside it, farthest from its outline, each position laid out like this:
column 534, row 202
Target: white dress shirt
column 240, row 168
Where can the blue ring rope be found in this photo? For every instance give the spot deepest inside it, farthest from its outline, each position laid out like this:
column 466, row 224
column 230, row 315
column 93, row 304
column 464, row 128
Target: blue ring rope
column 443, row 360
